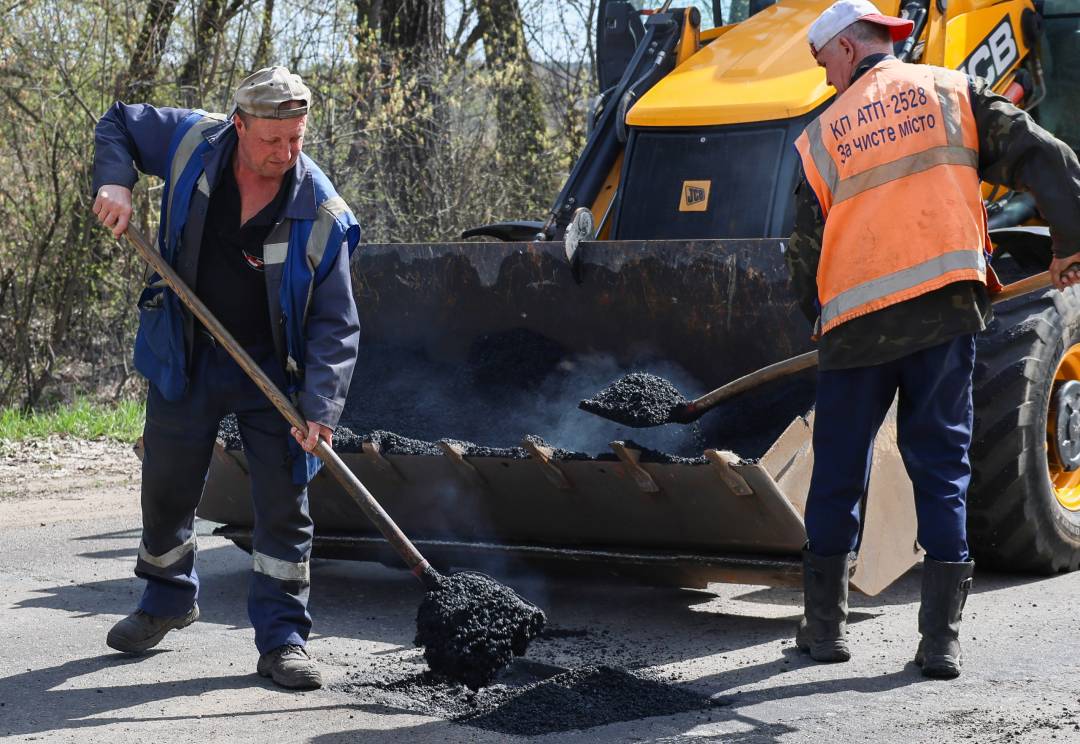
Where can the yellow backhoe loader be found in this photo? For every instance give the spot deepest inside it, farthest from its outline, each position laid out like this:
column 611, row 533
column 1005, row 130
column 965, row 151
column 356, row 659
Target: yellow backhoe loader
column 663, row 252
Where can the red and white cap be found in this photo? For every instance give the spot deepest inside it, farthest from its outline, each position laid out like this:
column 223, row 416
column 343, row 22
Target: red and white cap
column 843, row 13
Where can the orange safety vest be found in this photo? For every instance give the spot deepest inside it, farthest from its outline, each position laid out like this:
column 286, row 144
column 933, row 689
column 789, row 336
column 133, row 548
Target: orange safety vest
column 894, row 164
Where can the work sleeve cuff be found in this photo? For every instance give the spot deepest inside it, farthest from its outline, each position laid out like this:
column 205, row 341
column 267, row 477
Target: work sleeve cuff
column 1065, row 246
column 108, row 176
column 319, row 409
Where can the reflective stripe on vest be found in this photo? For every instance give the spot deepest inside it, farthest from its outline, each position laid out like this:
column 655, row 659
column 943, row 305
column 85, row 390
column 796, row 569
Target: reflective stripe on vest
column 329, row 212
column 276, row 246
column 318, row 240
column 893, row 162
column 899, row 282
column 276, row 251
column 192, row 138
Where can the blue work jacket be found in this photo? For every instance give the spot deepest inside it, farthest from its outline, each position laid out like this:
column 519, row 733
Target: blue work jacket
column 312, row 310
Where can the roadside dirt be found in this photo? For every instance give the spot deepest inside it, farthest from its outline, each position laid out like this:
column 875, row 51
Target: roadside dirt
column 102, row 473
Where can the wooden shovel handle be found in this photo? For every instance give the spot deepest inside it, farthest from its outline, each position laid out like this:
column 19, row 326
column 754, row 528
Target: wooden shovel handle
column 1032, row 283
column 695, row 408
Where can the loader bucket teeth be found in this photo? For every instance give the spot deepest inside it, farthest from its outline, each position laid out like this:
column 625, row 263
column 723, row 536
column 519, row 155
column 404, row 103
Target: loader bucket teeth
column 469, row 350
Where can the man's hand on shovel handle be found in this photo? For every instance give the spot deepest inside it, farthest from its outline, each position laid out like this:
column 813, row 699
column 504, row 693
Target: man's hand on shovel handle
column 112, row 207
column 1065, row 272
column 315, row 433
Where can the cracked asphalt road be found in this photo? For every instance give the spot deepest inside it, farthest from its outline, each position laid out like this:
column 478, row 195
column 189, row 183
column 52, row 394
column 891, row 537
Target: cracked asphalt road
column 69, row 527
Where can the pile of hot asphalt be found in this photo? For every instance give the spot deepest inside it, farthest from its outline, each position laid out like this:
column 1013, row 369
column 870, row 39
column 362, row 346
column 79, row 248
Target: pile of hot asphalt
column 637, row 399
column 533, row 704
column 534, row 698
column 519, row 385
column 472, row 626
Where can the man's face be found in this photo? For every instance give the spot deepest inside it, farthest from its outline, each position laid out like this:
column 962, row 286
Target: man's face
column 270, row 147
column 838, row 59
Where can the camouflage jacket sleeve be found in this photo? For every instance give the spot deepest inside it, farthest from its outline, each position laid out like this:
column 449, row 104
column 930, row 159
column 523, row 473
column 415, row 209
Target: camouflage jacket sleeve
column 1017, row 153
column 804, row 249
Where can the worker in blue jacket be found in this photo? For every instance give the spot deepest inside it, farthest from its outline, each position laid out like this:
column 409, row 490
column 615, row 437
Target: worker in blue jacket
column 256, row 228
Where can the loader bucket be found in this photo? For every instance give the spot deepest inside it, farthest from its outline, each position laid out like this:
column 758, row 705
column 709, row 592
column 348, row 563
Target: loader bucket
column 462, row 417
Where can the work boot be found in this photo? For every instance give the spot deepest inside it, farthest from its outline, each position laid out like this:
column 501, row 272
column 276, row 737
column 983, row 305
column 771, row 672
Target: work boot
column 825, row 598
column 945, row 588
column 290, row 666
column 141, row 631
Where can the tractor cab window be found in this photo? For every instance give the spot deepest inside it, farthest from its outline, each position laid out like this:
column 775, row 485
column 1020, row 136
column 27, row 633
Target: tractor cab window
column 713, row 12
column 734, row 11
column 1059, row 111
column 620, row 26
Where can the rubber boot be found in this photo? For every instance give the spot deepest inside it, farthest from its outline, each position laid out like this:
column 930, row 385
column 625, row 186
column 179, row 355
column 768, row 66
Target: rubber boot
column 825, row 602
column 945, row 588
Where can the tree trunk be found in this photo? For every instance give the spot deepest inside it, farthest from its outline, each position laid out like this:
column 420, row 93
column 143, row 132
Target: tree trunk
column 401, row 56
column 519, row 106
column 146, row 58
column 415, row 25
column 262, row 49
column 368, row 13
column 214, row 15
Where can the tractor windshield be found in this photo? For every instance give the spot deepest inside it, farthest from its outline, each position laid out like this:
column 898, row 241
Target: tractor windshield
column 1059, row 111
column 713, row 12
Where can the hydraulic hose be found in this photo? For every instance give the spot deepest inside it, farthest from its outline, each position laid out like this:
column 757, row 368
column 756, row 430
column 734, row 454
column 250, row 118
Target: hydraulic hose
column 918, row 12
column 631, row 95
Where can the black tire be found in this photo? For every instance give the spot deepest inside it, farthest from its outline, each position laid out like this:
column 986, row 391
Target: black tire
column 1015, row 521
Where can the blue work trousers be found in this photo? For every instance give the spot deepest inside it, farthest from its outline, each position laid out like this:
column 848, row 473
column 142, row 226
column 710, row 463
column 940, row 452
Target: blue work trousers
column 179, row 440
column 934, row 418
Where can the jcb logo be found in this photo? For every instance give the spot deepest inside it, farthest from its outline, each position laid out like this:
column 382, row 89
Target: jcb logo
column 995, row 55
column 695, row 196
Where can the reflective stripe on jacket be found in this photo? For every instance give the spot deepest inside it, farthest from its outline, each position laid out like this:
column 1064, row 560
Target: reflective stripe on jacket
column 893, row 162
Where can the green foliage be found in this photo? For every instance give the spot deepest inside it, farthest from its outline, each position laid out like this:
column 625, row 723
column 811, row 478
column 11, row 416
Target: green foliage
column 83, row 419
column 66, row 289
column 425, row 131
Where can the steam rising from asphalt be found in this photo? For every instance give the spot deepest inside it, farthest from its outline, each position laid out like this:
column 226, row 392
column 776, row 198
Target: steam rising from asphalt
column 520, row 385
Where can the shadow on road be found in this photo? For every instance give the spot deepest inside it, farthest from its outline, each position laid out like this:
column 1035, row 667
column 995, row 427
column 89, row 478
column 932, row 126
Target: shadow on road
column 677, row 729
column 620, row 624
column 55, row 707
column 904, row 591
column 376, row 605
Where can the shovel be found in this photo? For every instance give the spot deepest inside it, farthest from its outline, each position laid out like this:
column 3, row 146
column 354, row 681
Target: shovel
column 446, row 595
column 651, row 399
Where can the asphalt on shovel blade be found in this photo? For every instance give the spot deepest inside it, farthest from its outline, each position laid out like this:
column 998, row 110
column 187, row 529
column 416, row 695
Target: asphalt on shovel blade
column 471, row 627
column 638, row 400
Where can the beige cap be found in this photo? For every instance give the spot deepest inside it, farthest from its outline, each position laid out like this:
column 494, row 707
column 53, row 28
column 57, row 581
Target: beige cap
column 262, row 94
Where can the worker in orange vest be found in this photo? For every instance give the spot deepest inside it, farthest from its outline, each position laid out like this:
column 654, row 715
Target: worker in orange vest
column 889, row 258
